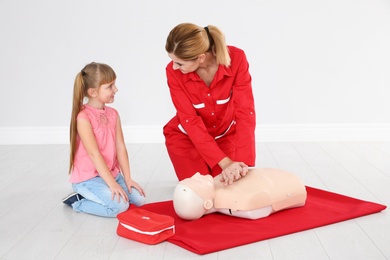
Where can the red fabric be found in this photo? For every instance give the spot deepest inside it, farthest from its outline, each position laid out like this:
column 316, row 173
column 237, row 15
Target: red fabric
column 205, row 113
column 187, row 160
column 216, row 232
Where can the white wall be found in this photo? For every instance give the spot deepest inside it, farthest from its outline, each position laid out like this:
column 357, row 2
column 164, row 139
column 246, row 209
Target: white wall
column 321, row 69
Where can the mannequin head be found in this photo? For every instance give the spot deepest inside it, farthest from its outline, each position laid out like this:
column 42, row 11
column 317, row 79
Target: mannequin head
column 194, row 196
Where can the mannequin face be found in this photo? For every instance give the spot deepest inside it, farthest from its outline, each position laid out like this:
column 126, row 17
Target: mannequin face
column 203, row 185
column 194, row 196
column 188, row 205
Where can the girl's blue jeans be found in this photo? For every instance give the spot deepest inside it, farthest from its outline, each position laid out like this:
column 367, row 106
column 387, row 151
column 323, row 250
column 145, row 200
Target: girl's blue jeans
column 98, row 198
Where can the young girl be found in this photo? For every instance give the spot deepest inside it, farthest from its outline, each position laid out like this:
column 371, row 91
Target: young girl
column 99, row 164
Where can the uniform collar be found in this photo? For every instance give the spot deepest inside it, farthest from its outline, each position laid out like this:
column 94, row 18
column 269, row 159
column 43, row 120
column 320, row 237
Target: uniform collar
column 219, row 75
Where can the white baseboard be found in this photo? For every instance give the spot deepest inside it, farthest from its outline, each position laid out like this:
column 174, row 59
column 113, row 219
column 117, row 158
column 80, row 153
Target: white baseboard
column 323, row 133
column 264, row 133
column 60, row 135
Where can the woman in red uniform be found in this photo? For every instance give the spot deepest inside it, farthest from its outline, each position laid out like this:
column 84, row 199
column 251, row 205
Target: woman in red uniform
column 213, row 131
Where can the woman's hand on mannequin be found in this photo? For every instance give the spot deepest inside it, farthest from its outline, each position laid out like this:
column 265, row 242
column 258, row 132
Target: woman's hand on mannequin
column 232, row 171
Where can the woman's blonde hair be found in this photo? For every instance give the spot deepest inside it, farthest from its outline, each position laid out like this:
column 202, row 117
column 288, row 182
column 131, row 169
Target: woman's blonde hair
column 187, row 41
column 93, row 75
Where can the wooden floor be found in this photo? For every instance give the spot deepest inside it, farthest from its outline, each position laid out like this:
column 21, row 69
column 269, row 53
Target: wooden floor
column 35, row 224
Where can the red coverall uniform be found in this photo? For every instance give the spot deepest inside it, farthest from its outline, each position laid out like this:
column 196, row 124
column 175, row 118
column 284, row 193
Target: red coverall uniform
column 211, row 122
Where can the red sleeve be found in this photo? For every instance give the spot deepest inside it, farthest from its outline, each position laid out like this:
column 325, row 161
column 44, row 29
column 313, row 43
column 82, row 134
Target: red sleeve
column 244, row 111
column 191, row 122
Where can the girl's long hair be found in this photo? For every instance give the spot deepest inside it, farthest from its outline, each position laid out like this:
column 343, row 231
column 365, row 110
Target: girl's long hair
column 93, row 75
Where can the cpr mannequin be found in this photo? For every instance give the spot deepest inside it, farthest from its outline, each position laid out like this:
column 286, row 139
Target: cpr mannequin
column 260, row 193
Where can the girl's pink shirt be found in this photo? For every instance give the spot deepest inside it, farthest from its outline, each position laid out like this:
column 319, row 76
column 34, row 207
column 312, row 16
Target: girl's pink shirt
column 103, row 122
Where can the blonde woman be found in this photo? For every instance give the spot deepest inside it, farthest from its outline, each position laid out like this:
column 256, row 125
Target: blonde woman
column 211, row 89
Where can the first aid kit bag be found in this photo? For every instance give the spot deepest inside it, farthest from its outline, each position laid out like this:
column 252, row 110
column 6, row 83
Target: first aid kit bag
column 144, row 226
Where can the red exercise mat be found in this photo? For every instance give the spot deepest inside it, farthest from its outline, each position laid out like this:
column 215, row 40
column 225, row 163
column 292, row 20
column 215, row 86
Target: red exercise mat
column 215, row 232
